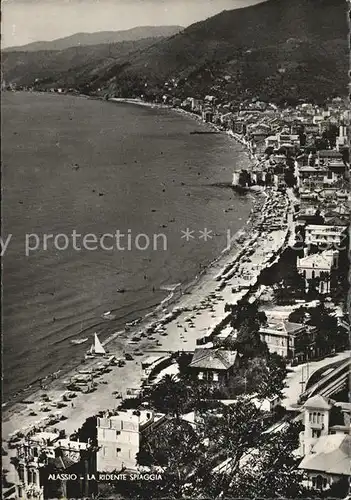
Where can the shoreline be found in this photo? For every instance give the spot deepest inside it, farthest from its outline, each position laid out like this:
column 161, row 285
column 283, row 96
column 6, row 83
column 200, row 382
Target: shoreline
column 156, row 314
column 19, row 409
column 238, row 277
column 172, row 298
column 189, row 114
column 23, row 417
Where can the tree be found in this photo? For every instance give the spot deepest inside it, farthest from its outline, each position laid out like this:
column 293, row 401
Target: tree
column 244, row 178
column 298, row 315
column 290, row 178
column 272, row 471
column 255, row 464
column 234, row 429
column 249, row 344
column 259, row 465
column 247, row 319
column 183, row 361
column 88, row 431
column 327, row 328
column 339, row 489
column 180, row 451
column 170, row 396
column 330, row 135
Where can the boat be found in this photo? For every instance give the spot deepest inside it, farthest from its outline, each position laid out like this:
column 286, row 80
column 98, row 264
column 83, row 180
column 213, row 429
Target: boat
column 96, row 349
column 108, row 315
column 79, row 341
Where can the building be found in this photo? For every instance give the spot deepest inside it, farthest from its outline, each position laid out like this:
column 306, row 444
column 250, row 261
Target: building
column 328, row 237
column 279, row 181
column 118, row 438
column 309, row 176
column 259, row 132
column 342, row 140
column 283, row 139
column 309, row 215
column 332, row 159
column 325, row 448
column 47, row 452
column 214, row 365
column 319, row 266
column 239, row 127
column 289, row 340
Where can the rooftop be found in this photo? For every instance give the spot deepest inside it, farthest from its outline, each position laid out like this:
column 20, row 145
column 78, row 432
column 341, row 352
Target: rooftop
column 325, row 228
column 322, row 260
column 318, row 402
column 331, row 454
column 283, row 327
column 329, row 153
column 213, row 359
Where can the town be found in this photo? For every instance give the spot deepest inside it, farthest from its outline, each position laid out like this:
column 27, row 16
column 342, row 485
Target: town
column 242, row 390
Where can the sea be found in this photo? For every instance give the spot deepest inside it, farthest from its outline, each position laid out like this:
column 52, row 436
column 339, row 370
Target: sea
column 76, row 171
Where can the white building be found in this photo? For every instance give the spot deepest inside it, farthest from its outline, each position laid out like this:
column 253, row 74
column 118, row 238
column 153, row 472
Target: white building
column 343, row 139
column 283, row 139
column 118, row 438
column 331, row 237
column 320, row 266
column 326, row 450
column 281, row 336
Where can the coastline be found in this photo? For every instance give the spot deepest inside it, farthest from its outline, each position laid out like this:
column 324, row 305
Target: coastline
column 170, row 298
column 16, row 418
column 156, row 313
column 229, row 278
column 189, row 114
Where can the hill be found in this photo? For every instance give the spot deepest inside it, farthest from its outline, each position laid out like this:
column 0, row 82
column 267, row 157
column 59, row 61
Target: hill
column 100, row 37
column 278, row 46
column 278, row 49
column 76, row 67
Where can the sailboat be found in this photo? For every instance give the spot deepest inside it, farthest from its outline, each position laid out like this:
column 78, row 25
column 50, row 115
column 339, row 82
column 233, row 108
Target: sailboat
column 97, row 348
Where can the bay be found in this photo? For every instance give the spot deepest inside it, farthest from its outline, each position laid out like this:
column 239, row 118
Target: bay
column 95, row 167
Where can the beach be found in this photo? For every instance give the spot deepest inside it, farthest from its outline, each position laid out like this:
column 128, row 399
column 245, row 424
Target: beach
column 138, row 169
column 203, row 301
column 186, row 315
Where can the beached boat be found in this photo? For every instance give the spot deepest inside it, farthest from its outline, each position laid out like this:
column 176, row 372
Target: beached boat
column 79, row 341
column 96, row 349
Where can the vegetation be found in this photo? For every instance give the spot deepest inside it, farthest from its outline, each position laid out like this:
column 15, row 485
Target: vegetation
column 275, row 50
column 188, row 456
column 330, row 335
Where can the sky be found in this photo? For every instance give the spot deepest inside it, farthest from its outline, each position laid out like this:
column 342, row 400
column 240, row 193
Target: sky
column 26, row 21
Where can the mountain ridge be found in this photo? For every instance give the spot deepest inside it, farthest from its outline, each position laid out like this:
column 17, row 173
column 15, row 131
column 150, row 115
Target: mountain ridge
column 97, row 38
column 274, row 49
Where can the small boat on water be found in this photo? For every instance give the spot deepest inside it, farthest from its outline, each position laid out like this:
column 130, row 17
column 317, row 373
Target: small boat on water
column 108, row 315
column 79, row 341
column 96, row 349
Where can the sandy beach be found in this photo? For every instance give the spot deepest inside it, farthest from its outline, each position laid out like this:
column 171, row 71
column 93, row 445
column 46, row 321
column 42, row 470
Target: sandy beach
column 203, row 304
